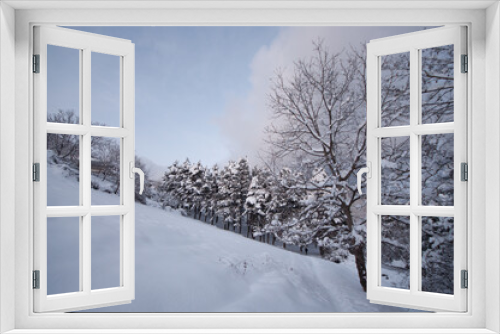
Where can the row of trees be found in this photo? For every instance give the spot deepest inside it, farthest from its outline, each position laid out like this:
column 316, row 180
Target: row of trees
column 267, row 203
column 288, row 206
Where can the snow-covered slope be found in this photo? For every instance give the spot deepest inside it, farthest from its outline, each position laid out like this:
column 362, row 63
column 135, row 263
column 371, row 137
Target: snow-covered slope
column 184, row 265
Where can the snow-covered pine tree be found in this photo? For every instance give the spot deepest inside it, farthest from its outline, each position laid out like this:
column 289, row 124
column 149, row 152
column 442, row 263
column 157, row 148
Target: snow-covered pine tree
column 206, row 192
column 224, row 205
column 214, row 198
column 185, row 187
column 257, row 201
column 170, row 186
column 241, row 183
column 284, row 205
column 196, row 183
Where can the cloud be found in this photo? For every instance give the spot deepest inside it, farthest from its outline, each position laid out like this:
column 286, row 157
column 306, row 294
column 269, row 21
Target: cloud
column 245, row 119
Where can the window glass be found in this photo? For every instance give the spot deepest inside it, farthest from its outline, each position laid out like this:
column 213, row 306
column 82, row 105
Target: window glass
column 63, row 169
column 105, row 90
column 63, row 259
column 105, row 169
column 438, row 169
column 395, row 175
column 437, row 84
column 63, row 85
column 395, row 89
column 105, row 252
column 437, row 254
column 395, row 252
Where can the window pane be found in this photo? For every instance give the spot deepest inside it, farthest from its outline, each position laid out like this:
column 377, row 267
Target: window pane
column 395, row 171
column 63, row 169
column 437, row 254
column 437, row 169
column 105, row 166
column 105, row 89
column 395, row 89
column 395, row 252
column 437, row 84
column 105, row 252
column 63, row 255
column 63, row 84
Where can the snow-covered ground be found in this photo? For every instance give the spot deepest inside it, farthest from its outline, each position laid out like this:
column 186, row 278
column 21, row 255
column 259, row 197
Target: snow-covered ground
column 184, row 265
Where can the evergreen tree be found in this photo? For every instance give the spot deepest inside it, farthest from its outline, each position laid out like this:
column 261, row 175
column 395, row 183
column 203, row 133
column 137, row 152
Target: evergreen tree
column 240, row 185
column 257, row 202
column 225, row 207
column 214, row 198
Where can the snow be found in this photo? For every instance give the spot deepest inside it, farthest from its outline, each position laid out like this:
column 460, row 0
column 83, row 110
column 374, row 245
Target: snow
column 184, row 265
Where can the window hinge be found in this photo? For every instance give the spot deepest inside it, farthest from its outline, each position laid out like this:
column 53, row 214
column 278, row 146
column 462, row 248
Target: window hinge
column 464, row 171
column 36, row 63
column 465, row 63
column 36, row 279
column 36, row 172
column 465, row 279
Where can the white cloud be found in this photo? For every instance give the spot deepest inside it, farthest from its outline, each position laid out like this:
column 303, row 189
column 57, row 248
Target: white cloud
column 244, row 119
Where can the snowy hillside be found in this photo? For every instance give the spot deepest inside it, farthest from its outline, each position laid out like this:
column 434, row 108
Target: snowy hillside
column 184, row 265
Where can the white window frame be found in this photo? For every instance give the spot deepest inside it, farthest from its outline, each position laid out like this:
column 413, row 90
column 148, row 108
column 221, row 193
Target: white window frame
column 413, row 43
column 483, row 21
column 86, row 44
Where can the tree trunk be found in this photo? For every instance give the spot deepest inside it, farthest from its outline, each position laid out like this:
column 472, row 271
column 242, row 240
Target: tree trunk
column 359, row 254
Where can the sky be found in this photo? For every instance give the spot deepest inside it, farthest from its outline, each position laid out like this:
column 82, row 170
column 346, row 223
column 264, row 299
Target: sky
column 201, row 92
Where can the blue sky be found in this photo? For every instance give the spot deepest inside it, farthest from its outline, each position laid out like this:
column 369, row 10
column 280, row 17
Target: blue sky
column 201, row 92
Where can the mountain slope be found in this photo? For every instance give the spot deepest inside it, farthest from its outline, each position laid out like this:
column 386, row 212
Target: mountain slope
column 184, row 265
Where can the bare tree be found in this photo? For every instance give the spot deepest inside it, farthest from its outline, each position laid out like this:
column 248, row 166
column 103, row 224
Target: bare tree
column 320, row 113
column 319, row 122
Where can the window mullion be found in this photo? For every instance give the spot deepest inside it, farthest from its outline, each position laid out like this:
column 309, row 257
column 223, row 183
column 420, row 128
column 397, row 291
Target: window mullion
column 414, row 171
column 85, row 236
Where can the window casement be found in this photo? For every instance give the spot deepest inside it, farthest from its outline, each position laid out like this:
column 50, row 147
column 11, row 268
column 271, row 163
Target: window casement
column 83, row 211
column 422, row 154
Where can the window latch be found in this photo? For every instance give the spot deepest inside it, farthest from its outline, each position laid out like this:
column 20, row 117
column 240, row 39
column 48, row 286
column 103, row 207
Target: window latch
column 139, row 171
column 365, row 170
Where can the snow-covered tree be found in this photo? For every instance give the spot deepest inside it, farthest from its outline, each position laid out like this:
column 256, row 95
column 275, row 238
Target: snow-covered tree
column 214, row 195
column 283, row 209
column 225, row 205
column 184, row 191
column 240, row 184
column 196, row 188
column 257, row 201
column 320, row 115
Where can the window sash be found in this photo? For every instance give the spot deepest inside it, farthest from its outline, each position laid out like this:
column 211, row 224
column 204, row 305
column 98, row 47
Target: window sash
column 86, row 297
column 414, row 298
